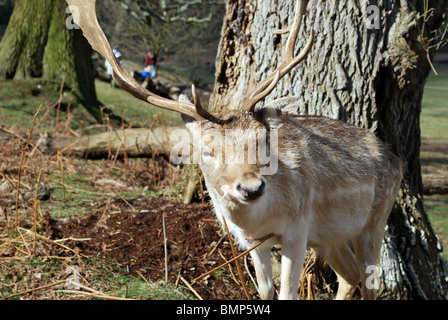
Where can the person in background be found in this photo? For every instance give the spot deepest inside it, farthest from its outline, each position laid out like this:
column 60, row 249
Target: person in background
column 119, row 57
column 150, row 64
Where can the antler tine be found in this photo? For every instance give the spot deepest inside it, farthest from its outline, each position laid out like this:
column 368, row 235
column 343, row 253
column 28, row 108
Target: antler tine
column 200, row 110
column 288, row 63
column 88, row 22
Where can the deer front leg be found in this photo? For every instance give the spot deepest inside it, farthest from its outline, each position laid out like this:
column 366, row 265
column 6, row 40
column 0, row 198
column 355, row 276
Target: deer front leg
column 293, row 254
column 261, row 258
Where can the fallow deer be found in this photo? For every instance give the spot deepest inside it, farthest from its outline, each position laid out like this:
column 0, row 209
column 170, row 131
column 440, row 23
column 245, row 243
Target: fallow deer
column 332, row 190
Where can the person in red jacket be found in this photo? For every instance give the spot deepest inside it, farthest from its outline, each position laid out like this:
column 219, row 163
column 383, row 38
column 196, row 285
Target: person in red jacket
column 150, row 64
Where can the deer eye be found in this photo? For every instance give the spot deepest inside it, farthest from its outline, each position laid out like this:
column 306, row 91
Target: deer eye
column 207, row 153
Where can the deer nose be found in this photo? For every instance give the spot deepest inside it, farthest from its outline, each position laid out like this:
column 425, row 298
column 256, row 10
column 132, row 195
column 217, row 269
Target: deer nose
column 252, row 190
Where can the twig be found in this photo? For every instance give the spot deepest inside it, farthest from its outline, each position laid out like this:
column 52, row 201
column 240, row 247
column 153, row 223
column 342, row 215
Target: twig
column 230, row 268
column 59, row 102
column 22, row 156
column 243, row 283
column 51, row 241
column 16, row 135
column 430, row 63
column 310, row 287
column 73, row 239
column 35, row 212
column 216, row 246
column 3, row 209
column 130, row 205
column 165, row 247
column 250, row 275
column 305, row 274
column 35, row 289
column 191, row 288
column 146, row 280
column 95, row 295
column 237, row 257
column 61, row 164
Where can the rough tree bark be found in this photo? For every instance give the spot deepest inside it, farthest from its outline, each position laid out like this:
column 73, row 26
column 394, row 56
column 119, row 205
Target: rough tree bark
column 37, row 44
column 367, row 68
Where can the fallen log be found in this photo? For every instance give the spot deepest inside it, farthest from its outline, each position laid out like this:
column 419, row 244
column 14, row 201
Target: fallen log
column 134, row 142
column 435, row 185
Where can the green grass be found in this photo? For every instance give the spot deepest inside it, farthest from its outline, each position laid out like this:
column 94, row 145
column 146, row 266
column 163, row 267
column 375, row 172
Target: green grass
column 433, row 121
column 434, row 157
column 441, row 80
column 133, row 110
column 139, row 289
column 20, row 99
column 198, row 74
column 69, row 195
column 437, row 207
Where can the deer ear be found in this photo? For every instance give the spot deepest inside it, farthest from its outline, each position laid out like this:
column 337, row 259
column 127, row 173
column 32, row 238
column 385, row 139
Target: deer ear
column 270, row 114
column 188, row 121
column 192, row 124
column 287, row 105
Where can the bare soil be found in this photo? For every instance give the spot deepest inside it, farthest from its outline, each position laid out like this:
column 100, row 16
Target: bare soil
column 131, row 235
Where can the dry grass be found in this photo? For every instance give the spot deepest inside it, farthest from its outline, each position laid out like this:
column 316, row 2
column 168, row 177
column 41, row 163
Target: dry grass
column 32, row 265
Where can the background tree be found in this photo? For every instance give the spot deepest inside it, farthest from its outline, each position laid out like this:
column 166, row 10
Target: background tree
column 37, row 44
column 174, row 26
column 368, row 67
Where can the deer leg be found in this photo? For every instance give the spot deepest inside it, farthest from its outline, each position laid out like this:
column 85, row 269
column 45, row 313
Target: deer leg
column 367, row 249
column 342, row 260
column 261, row 258
column 293, row 254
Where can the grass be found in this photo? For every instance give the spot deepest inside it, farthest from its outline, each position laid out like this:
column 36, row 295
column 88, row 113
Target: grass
column 135, row 111
column 20, row 99
column 74, row 191
column 434, row 154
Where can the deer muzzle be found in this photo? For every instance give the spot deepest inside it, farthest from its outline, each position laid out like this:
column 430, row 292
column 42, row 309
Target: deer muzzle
column 251, row 186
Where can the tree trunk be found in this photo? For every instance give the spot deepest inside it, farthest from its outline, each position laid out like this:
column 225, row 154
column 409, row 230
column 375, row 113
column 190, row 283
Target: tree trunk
column 367, row 68
column 37, row 44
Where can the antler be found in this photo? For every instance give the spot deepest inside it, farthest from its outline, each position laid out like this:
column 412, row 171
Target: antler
column 88, row 22
column 289, row 61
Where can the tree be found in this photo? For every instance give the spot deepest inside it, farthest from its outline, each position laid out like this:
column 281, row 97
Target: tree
column 368, row 67
column 170, row 27
column 38, row 44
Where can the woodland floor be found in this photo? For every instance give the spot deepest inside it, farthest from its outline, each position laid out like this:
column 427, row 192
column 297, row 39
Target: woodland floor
column 132, row 236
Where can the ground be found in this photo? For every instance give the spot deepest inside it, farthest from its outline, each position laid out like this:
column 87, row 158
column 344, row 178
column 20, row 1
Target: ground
column 112, row 228
column 131, row 234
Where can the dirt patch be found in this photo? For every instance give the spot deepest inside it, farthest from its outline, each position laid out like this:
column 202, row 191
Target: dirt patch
column 131, row 236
